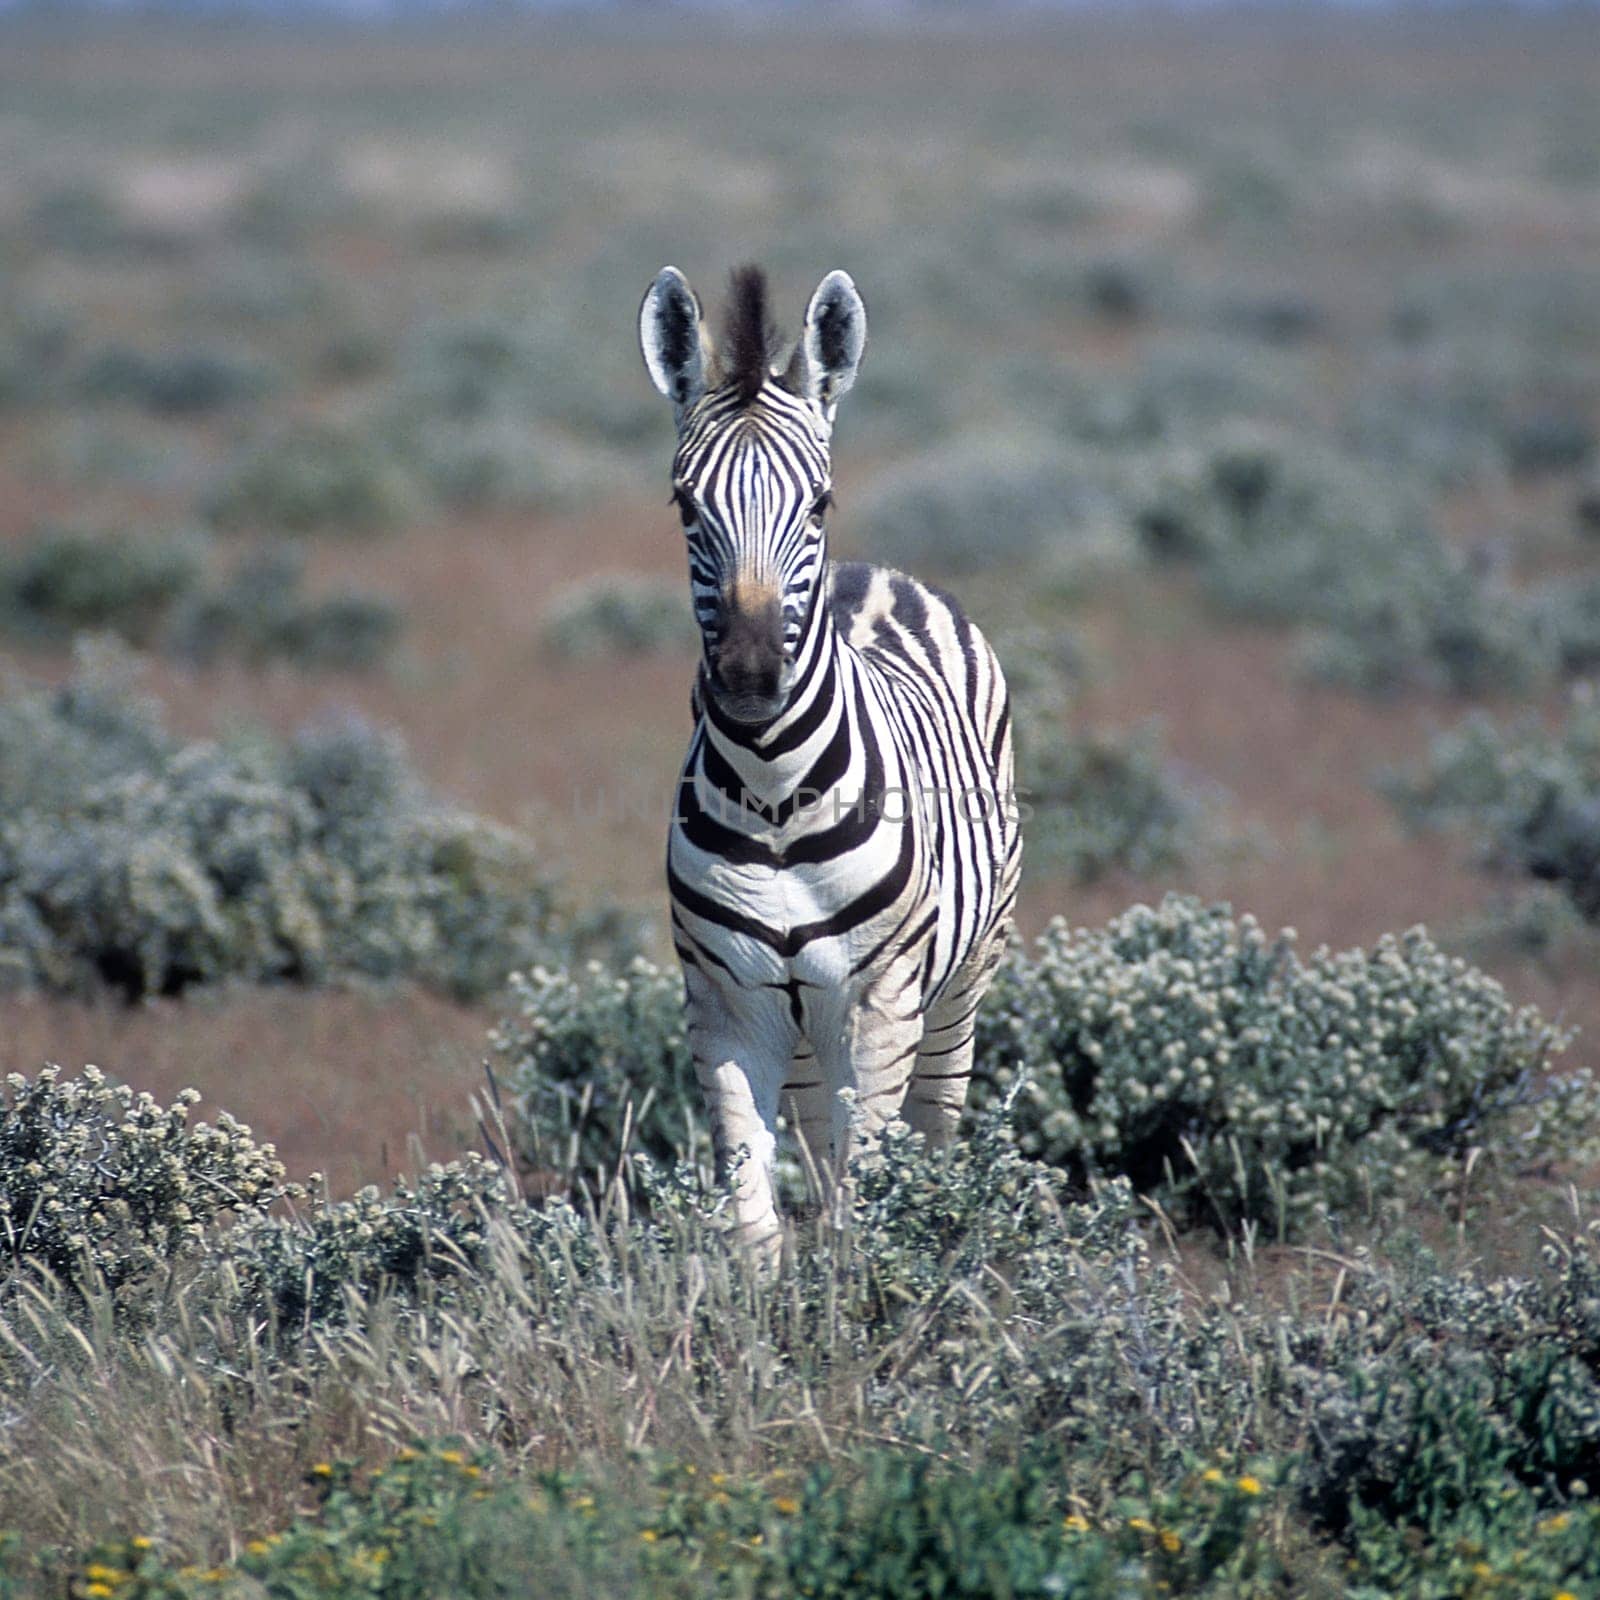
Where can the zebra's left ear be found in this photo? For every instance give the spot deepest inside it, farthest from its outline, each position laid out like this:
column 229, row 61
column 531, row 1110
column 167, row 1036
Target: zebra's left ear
column 829, row 352
column 672, row 338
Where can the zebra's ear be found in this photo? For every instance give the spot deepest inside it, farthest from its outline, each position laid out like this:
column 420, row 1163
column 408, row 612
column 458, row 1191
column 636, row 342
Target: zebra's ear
column 831, row 342
column 672, row 337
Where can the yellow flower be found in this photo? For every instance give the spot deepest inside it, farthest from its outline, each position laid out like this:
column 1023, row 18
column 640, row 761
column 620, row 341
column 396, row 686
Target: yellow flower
column 97, row 1573
column 1248, row 1485
column 1211, row 1475
column 140, row 1542
column 1076, row 1523
column 1566, row 1594
column 785, row 1506
column 649, row 1535
column 1555, row 1524
column 215, row 1575
column 719, row 1478
column 1170, row 1542
column 1482, row 1569
column 584, row 1502
column 454, row 1457
column 98, row 1589
column 473, row 1472
column 406, row 1455
column 1143, row 1524
column 258, row 1547
column 323, row 1469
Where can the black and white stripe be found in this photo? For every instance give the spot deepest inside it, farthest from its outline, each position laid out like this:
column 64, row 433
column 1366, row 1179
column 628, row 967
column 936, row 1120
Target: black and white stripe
column 844, row 855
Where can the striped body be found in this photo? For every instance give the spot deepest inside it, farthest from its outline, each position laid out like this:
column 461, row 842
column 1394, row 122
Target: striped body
column 844, row 852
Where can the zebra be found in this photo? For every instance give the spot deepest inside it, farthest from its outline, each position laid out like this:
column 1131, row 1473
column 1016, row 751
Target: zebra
column 843, row 857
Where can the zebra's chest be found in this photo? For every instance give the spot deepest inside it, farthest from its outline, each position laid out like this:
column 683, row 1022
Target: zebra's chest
column 811, row 918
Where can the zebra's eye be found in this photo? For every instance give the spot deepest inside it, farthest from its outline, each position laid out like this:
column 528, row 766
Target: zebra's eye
column 684, row 501
column 819, row 507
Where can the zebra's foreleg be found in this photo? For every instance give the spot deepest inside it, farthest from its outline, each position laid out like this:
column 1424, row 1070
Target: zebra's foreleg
column 937, row 1095
column 873, row 1053
column 741, row 1054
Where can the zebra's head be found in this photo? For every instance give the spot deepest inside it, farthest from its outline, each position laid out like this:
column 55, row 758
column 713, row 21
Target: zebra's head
column 752, row 476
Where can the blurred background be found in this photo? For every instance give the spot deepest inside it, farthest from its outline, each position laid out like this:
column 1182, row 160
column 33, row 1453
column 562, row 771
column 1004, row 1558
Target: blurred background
column 1239, row 368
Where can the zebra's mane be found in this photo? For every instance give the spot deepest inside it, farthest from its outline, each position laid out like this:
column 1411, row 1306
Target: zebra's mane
column 748, row 338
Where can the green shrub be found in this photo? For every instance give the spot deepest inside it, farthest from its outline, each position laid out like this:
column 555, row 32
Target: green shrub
column 153, row 592
column 1104, row 801
column 1178, row 1047
column 1546, row 307
column 1096, row 801
column 1438, row 623
column 301, row 1272
column 1120, row 289
column 1459, row 1417
column 619, row 614
column 1288, row 532
column 77, row 219
column 1586, row 509
column 105, row 1187
column 1284, row 316
column 63, row 580
column 984, row 500
column 510, row 409
column 1530, row 796
column 132, row 859
column 315, row 480
column 590, row 1052
column 1568, row 613
column 1270, row 513
column 1192, row 385
column 1221, row 1072
column 261, row 614
column 173, row 383
column 1445, row 426
column 35, row 345
column 505, row 461
column 1548, row 441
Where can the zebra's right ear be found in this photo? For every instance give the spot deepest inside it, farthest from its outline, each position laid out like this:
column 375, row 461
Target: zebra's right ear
column 831, row 341
column 672, row 337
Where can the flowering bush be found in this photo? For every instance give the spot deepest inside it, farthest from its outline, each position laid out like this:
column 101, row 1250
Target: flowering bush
column 301, row 1270
column 99, row 1184
column 1213, row 1066
column 589, row 1051
column 435, row 1520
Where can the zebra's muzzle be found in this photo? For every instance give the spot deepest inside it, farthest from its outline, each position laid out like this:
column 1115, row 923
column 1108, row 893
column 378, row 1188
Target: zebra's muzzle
column 748, row 662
